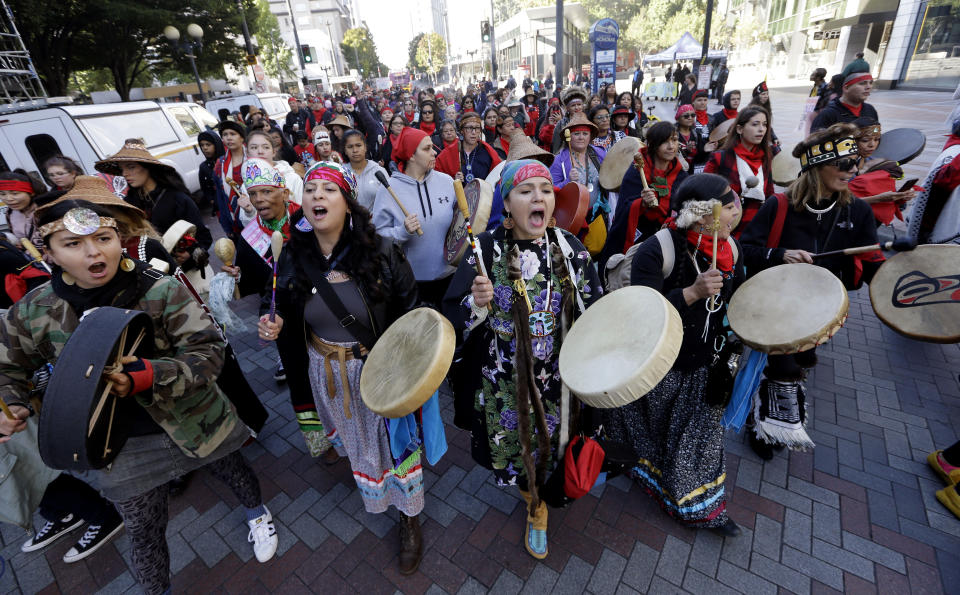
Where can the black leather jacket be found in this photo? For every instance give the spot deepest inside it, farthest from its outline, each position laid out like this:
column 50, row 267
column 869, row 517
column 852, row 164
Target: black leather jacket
column 397, row 280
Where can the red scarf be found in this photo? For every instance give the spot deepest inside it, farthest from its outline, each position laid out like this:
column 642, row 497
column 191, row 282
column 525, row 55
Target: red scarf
column 704, row 244
column 952, row 139
column 754, row 158
column 730, row 114
column 702, row 116
column 505, row 144
column 854, row 110
column 408, row 116
column 428, row 127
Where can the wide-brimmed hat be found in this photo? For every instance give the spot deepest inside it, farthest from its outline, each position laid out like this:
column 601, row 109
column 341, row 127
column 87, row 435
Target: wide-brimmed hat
column 521, row 147
column 95, row 190
column 340, row 120
column 578, row 120
column 622, row 110
column 134, row 150
column 571, row 92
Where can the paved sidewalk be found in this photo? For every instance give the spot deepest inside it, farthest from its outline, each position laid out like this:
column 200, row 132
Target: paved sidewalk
column 856, row 515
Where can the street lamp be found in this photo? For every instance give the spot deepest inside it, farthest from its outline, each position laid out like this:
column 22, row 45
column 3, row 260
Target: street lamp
column 188, row 48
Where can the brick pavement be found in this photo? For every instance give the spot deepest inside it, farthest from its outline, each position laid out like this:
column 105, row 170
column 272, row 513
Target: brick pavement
column 857, row 515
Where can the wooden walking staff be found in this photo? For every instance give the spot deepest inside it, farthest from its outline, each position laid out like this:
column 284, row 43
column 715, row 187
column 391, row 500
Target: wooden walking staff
column 276, row 246
column 383, row 180
column 465, row 211
column 717, row 209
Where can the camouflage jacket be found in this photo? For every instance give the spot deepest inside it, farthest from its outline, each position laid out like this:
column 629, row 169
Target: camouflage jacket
column 185, row 401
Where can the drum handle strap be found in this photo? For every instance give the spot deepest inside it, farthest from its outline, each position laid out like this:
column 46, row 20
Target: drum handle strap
column 348, row 321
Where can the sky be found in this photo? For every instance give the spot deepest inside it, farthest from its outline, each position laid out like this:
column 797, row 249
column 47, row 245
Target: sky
column 393, row 29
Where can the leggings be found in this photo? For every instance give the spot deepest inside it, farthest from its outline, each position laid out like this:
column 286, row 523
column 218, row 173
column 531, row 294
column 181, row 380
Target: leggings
column 145, row 517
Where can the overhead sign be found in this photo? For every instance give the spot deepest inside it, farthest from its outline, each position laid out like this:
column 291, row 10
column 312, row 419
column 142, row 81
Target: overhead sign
column 604, row 35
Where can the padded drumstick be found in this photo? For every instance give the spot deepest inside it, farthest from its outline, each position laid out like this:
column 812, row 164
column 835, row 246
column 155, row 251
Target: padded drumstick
column 638, row 163
column 226, row 250
column 383, row 180
column 717, row 209
column 32, row 250
column 276, row 246
column 901, row 244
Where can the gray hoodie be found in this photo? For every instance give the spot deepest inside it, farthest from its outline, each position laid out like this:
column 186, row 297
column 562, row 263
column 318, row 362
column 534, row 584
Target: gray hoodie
column 433, row 202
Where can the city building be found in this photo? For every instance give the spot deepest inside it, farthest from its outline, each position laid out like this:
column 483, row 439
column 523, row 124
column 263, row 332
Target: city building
column 908, row 43
column 320, row 26
column 527, row 41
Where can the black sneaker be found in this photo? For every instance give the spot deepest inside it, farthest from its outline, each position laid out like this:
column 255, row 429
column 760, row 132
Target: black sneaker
column 50, row 532
column 280, row 375
column 94, row 537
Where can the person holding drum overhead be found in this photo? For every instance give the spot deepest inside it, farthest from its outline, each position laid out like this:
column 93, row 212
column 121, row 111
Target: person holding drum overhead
column 641, row 212
column 747, row 153
column 536, row 272
column 179, row 420
column 817, row 214
column 675, row 430
column 336, row 261
column 420, row 225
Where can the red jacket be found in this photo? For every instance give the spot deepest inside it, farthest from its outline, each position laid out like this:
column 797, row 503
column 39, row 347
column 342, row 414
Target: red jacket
column 448, row 158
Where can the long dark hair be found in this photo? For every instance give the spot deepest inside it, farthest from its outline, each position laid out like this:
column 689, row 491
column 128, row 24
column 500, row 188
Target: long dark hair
column 361, row 261
column 658, row 134
column 745, row 116
column 21, row 175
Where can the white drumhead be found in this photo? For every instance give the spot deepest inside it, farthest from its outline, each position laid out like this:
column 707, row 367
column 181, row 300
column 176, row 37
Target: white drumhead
column 408, row 363
column 621, row 347
column 494, row 176
column 788, row 308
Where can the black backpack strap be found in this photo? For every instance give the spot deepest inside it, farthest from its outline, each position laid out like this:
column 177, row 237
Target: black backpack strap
column 360, row 332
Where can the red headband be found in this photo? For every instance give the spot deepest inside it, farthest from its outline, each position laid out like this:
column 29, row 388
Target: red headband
column 854, row 79
column 16, row 186
column 323, row 172
column 581, row 127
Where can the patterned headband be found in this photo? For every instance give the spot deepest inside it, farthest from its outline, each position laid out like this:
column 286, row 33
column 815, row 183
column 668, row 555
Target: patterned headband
column 828, row 150
column 333, row 172
column 81, row 221
column 257, row 172
column 516, row 172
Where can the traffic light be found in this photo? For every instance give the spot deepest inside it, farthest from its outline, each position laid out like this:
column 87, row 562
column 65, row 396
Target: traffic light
column 485, row 31
column 305, row 52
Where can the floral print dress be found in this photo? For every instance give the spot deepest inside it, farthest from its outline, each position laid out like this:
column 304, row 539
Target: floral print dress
column 494, row 430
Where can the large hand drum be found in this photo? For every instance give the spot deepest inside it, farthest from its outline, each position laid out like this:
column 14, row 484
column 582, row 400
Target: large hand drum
column 479, row 201
column 788, row 308
column 917, row 293
column 617, row 161
column 408, row 363
column 621, row 347
column 901, row 145
column 81, row 423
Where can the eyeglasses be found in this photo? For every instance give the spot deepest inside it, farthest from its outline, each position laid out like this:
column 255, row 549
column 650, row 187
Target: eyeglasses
column 601, row 118
column 845, row 164
column 472, row 128
column 427, row 112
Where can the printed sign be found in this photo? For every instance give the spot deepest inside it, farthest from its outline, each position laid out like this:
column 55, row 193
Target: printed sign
column 604, row 35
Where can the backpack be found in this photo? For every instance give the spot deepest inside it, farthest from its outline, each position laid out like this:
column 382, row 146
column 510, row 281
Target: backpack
column 618, row 266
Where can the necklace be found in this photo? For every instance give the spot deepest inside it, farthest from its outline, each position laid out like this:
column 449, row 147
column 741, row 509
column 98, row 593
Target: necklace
column 820, row 212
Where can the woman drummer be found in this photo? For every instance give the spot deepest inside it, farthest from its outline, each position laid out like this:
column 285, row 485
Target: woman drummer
column 536, row 272
column 179, row 421
column 747, row 153
column 675, row 430
column 821, row 215
column 333, row 238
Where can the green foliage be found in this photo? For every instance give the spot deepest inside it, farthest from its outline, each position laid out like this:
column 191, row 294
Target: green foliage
column 126, row 38
column 360, row 51
column 275, row 54
column 431, row 53
column 412, row 51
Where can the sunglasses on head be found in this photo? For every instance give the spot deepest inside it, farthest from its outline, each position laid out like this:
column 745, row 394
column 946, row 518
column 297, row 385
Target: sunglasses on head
column 845, row 164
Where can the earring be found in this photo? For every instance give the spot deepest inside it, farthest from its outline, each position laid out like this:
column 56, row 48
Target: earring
column 508, row 221
column 67, row 278
column 127, row 264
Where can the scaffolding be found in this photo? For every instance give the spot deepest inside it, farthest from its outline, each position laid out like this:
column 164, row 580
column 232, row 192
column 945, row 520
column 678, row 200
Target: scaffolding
column 20, row 87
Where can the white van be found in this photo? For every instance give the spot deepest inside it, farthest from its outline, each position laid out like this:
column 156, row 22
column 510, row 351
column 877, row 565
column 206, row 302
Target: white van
column 89, row 133
column 276, row 105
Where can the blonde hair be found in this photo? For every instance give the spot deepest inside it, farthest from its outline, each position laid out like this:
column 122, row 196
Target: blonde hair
column 809, row 186
column 130, row 224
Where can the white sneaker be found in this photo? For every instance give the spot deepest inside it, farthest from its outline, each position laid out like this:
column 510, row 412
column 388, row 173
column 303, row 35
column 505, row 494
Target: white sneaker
column 263, row 536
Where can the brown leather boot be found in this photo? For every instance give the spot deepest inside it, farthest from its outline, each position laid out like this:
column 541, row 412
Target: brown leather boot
column 411, row 544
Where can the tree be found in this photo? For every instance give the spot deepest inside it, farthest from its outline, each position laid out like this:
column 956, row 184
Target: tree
column 126, row 38
column 275, row 54
column 432, row 53
column 412, row 51
column 360, row 51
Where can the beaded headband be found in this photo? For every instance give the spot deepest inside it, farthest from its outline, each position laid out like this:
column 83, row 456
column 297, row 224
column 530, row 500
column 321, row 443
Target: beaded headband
column 81, row 221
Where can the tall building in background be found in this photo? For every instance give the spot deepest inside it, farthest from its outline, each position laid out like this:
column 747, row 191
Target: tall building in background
column 438, row 13
column 320, row 27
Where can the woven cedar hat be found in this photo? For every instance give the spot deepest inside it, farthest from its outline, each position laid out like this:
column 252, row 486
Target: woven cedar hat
column 521, row 147
column 95, row 190
column 134, row 150
column 579, row 119
column 340, row 120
